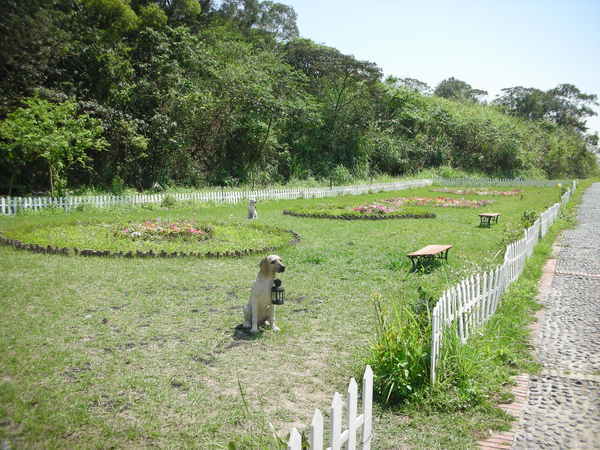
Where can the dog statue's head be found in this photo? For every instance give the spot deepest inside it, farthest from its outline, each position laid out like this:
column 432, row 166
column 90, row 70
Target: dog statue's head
column 252, row 202
column 271, row 265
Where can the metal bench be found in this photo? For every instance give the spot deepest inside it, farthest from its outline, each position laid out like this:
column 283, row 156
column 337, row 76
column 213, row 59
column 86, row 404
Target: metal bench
column 428, row 254
column 486, row 219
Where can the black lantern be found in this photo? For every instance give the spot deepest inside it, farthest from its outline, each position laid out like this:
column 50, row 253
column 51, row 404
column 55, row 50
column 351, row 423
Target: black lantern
column 277, row 292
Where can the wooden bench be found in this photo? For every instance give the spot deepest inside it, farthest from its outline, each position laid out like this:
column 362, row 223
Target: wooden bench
column 428, row 253
column 486, row 219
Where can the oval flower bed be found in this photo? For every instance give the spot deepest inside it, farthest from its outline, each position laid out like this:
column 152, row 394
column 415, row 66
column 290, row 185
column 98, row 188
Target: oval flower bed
column 151, row 238
column 371, row 211
column 478, row 191
column 442, row 202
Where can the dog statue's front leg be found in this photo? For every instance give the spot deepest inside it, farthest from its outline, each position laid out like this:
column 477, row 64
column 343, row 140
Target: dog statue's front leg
column 247, row 316
column 254, row 307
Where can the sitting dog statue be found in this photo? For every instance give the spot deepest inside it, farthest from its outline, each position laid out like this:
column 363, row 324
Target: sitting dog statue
column 252, row 213
column 260, row 310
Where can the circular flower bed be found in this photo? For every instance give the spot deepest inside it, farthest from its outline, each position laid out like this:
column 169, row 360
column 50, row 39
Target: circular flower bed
column 151, row 238
column 157, row 229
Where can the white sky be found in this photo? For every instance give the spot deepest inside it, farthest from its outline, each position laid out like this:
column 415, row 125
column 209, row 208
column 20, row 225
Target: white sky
column 489, row 44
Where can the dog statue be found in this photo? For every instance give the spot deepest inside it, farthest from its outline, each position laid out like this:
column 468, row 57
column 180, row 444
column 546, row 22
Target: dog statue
column 252, row 213
column 260, row 310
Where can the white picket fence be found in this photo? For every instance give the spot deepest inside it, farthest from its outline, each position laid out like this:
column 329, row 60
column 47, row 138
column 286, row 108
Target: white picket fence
column 470, row 303
column 10, row 205
column 357, row 429
column 497, row 182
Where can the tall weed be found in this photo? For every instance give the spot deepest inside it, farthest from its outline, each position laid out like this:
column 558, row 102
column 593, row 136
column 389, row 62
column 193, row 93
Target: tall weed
column 400, row 354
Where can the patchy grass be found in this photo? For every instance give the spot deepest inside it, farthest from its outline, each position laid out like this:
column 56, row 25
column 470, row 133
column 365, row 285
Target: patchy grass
column 99, row 352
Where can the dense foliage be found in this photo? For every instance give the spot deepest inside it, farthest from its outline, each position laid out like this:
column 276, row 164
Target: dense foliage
column 196, row 92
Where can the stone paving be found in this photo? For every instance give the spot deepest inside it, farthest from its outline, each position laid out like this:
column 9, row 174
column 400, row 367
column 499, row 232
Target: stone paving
column 563, row 406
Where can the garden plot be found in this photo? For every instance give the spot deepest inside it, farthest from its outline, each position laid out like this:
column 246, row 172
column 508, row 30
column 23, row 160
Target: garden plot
column 145, row 352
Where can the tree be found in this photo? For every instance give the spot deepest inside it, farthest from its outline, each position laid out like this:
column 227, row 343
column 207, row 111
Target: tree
column 343, row 87
column 115, row 17
column 53, row 132
column 276, row 19
column 410, row 83
column 455, row 89
column 31, row 42
column 564, row 105
column 529, row 103
column 279, row 20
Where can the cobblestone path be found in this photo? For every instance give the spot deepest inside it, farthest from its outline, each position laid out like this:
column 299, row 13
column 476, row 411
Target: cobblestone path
column 563, row 410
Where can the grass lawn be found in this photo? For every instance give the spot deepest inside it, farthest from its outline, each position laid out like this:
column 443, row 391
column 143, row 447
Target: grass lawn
column 112, row 352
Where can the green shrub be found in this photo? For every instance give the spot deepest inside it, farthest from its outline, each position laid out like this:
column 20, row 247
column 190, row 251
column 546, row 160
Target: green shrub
column 340, row 175
column 450, row 172
column 168, row 201
column 117, row 185
column 528, row 218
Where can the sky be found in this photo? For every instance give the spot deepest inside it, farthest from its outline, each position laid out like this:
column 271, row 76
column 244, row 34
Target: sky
column 489, row 44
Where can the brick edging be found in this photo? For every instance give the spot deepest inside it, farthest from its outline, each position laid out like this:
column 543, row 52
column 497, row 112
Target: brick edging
column 520, row 390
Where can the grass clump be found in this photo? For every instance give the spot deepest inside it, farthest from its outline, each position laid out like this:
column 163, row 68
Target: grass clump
column 400, row 356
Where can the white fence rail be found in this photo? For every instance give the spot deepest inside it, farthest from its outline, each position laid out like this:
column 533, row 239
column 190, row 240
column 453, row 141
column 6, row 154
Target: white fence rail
column 10, row 205
column 359, row 426
column 497, row 182
column 470, row 303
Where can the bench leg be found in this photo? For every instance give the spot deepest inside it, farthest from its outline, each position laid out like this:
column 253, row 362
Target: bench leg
column 412, row 260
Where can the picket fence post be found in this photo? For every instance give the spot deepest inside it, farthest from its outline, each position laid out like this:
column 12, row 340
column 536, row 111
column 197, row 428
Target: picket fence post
column 316, row 435
column 339, row 437
column 295, row 441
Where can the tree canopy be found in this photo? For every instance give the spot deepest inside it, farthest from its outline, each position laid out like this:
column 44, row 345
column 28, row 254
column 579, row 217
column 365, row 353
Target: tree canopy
column 564, row 105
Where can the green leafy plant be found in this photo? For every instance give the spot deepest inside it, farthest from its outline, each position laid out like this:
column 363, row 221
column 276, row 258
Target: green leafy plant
column 54, row 132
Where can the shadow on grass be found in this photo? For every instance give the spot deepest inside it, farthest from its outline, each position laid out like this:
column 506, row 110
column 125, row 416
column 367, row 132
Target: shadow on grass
column 243, row 334
column 427, row 265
